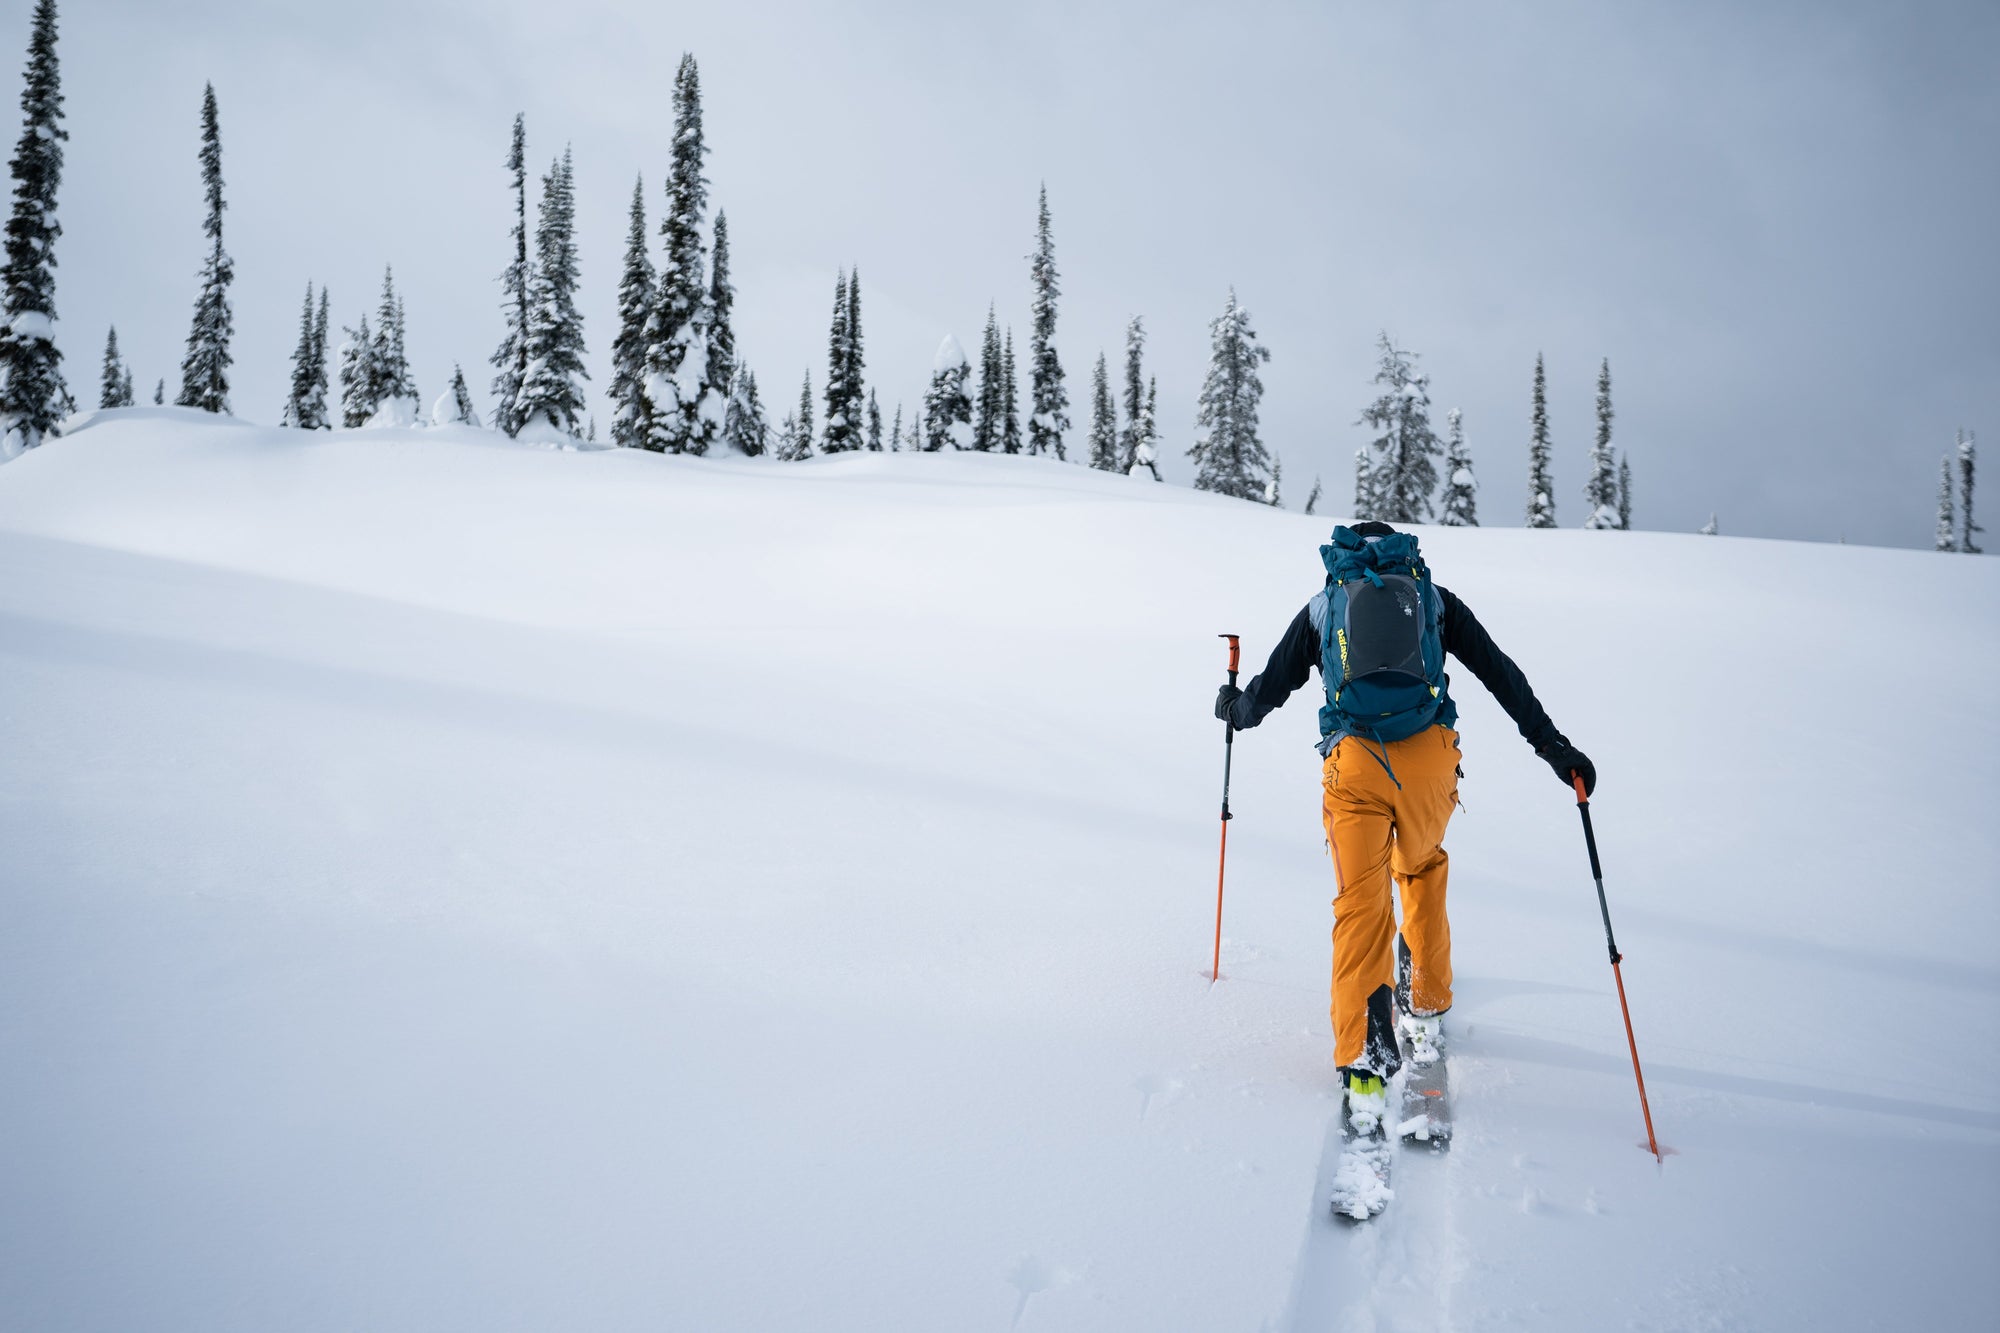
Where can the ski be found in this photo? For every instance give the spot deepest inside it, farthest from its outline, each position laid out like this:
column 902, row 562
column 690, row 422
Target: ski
column 1426, row 1098
column 1361, row 1181
column 1426, row 1083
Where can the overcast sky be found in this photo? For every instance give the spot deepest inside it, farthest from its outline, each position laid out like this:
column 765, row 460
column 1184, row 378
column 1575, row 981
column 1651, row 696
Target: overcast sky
column 1776, row 220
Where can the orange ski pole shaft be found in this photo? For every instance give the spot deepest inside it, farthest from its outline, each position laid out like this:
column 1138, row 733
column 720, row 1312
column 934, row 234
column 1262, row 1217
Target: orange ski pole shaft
column 1222, row 859
column 1610, row 943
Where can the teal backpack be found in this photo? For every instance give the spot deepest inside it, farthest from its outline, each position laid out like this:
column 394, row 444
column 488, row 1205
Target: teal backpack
column 1381, row 640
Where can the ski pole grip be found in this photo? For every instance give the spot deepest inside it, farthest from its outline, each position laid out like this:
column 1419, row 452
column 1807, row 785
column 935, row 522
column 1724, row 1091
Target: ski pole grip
column 1235, row 654
column 1576, row 780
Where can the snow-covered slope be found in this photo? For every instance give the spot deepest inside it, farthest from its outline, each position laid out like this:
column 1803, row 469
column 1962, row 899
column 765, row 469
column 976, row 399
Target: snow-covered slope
column 449, row 885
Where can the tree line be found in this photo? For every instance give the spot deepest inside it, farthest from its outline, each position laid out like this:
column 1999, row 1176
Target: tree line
column 680, row 385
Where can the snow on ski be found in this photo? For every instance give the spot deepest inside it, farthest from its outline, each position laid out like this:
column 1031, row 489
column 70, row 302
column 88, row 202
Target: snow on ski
column 1361, row 1182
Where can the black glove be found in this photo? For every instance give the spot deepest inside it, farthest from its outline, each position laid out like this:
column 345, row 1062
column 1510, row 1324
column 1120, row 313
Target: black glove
column 1225, row 704
column 1565, row 759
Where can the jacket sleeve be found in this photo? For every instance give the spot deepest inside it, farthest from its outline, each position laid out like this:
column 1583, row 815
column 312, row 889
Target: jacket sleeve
column 1291, row 666
column 1467, row 640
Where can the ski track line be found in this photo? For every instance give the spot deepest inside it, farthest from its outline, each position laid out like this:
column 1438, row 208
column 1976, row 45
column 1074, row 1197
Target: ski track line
column 1396, row 1273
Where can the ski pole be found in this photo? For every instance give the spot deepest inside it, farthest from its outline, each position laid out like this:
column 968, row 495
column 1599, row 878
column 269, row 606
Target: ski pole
column 1610, row 943
column 1222, row 860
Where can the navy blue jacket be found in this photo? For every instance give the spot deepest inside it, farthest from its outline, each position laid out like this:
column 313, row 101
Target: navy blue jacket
column 1297, row 656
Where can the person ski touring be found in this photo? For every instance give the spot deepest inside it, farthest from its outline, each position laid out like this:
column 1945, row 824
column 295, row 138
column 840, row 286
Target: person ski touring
column 1378, row 633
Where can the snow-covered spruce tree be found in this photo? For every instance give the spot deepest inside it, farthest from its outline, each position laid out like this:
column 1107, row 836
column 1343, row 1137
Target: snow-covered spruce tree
column 1049, row 417
column 1272, row 495
column 874, row 424
column 115, row 385
column 684, row 409
column 1228, row 455
column 357, row 377
column 510, row 358
column 1135, row 393
column 297, row 413
column 1364, row 484
column 1103, row 419
column 1404, row 454
column 1709, row 529
column 947, row 407
column 205, row 368
column 795, row 437
column 841, row 426
column 1600, row 491
column 33, row 397
column 989, row 412
column 394, row 390
column 1968, row 530
column 316, row 416
column 1947, row 521
column 1541, row 490
column 1010, row 399
column 896, row 432
column 1625, row 493
column 1312, row 497
column 721, row 315
column 854, row 396
column 628, row 349
column 1460, row 506
column 744, row 429
column 1146, row 454
column 551, row 404
column 160, row 392
column 454, row 406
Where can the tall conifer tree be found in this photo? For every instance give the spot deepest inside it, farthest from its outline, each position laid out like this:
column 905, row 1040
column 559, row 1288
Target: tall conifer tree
column 1103, row 419
column 721, row 312
column 1460, row 506
column 874, row 424
column 205, row 368
column 1404, row 453
column 1228, row 454
column 744, row 429
column 989, row 412
column 390, row 364
column 628, row 349
column 551, row 392
column 839, row 424
column 948, row 407
column 1600, row 491
column 1541, row 490
column 115, row 385
column 33, row 397
column 684, row 409
column 1947, row 520
column 358, row 380
column 510, row 359
column 1135, row 393
column 1050, row 415
column 316, row 400
column 1010, row 399
column 1146, row 454
column 1968, row 529
column 297, row 412
column 1625, row 493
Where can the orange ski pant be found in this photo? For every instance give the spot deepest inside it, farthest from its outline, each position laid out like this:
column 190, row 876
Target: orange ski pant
column 1377, row 828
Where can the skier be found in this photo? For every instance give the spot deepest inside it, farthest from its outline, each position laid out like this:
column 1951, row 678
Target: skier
column 1378, row 633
